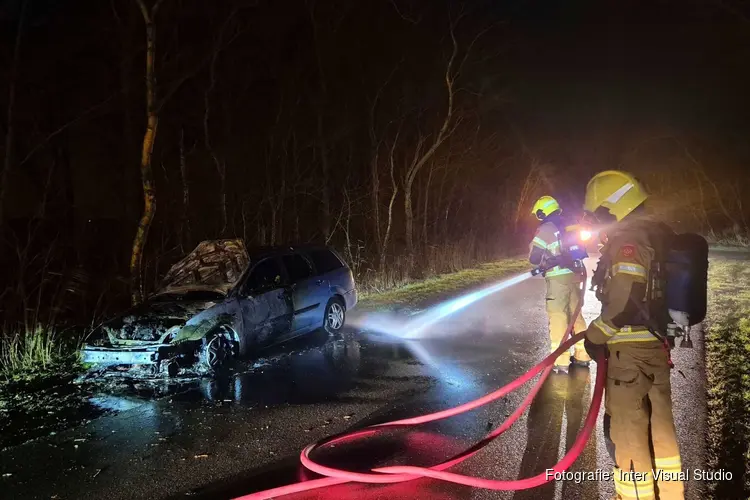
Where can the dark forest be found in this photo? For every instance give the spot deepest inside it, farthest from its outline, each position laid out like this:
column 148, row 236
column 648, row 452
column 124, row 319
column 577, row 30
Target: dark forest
column 410, row 135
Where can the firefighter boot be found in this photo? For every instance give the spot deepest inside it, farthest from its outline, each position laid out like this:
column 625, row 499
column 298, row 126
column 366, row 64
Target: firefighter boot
column 580, row 356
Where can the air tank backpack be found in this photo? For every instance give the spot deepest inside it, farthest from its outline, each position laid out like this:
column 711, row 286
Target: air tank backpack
column 570, row 241
column 676, row 293
column 678, row 282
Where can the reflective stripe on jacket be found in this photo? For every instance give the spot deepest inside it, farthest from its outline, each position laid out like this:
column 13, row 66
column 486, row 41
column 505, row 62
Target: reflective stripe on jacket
column 546, row 244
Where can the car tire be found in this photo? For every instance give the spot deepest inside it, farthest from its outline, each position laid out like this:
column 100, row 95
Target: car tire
column 215, row 352
column 334, row 316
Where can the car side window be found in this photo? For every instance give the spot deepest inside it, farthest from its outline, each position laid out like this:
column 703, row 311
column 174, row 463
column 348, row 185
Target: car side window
column 325, row 261
column 297, row 267
column 266, row 275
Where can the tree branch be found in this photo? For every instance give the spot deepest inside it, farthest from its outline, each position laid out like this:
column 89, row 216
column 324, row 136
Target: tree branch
column 401, row 15
column 449, row 83
column 64, row 127
column 144, row 11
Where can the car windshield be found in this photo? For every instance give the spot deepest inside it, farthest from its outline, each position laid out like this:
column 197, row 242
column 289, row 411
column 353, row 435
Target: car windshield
column 198, row 295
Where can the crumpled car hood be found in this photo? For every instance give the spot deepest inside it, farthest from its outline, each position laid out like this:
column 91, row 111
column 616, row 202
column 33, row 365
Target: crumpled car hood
column 151, row 321
column 216, row 264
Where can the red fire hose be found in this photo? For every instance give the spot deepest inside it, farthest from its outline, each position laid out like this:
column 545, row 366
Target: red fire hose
column 397, row 474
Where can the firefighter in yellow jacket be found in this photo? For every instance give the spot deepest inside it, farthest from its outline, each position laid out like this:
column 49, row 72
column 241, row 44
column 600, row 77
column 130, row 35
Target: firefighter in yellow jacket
column 563, row 284
column 638, row 393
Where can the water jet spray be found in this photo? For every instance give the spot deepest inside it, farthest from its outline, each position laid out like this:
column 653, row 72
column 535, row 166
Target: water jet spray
column 397, row 474
column 417, row 327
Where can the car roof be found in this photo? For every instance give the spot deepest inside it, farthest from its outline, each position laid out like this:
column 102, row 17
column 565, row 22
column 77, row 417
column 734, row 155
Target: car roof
column 257, row 253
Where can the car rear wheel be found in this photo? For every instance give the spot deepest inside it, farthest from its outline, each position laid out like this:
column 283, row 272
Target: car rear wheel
column 334, row 316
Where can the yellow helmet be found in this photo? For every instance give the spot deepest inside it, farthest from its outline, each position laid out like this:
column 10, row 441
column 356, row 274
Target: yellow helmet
column 617, row 191
column 546, row 205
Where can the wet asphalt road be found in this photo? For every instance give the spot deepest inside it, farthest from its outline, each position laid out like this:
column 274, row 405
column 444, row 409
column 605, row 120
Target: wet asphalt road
column 243, row 433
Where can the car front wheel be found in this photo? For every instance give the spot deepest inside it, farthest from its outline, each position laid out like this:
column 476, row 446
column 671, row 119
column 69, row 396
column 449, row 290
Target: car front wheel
column 334, row 317
column 215, row 352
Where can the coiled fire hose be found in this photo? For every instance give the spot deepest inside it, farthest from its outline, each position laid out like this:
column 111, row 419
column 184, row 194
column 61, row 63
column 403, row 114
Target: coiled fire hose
column 398, row 474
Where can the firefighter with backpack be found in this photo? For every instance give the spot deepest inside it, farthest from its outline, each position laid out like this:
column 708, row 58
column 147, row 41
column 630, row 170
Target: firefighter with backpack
column 555, row 249
column 648, row 274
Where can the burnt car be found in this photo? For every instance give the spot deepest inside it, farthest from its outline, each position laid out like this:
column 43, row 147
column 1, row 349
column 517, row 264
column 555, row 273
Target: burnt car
column 221, row 302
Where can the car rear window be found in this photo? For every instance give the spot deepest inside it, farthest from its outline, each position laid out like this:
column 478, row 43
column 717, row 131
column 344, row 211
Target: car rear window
column 297, row 267
column 325, row 260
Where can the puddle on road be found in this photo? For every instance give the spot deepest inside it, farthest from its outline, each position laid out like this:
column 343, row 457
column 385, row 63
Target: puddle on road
column 311, row 372
column 310, row 369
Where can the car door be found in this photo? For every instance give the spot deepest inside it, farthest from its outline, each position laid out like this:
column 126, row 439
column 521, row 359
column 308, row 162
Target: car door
column 308, row 292
column 265, row 302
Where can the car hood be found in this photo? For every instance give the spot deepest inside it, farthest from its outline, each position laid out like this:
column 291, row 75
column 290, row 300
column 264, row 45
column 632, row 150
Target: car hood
column 152, row 321
column 215, row 264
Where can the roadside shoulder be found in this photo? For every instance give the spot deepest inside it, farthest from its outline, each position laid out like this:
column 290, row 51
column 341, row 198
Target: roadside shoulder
column 728, row 382
column 428, row 290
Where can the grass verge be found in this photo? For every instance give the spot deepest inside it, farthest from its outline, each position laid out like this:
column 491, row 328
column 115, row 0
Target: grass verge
column 36, row 396
column 728, row 375
column 443, row 285
column 34, row 356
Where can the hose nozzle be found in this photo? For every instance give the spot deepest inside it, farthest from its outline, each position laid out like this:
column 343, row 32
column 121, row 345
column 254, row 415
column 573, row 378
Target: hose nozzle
column 565, row 261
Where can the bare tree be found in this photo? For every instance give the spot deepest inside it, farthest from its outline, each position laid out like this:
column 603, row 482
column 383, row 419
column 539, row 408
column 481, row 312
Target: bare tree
column 9, row 125
column 184, row 234
column 441, row 200
column 375, row 191
column 737, row 195
column 705, row 218
column 219, row 164
column 528, row 187
column 394, row 194
column 376, row 144
column 127, row 24
column 719, row 197
column 426, row 146
column 322, row 146
column 276, row 197
column 425, row 215
column 422, row 155
column 149, row 137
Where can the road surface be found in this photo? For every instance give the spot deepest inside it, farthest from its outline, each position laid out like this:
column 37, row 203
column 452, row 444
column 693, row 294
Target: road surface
column 223, row 438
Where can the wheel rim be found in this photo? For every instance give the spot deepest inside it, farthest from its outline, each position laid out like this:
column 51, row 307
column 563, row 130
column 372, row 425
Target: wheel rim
column 335, row 316
column 215, row 351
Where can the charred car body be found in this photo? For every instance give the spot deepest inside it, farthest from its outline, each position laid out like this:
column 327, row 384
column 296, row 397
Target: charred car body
column 219, row 302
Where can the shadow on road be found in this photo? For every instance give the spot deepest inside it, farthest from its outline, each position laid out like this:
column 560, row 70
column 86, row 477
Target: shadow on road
column 396, row 446
column 555, row 417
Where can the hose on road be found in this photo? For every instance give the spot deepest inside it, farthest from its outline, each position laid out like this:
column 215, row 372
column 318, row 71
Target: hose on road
column 397, row 474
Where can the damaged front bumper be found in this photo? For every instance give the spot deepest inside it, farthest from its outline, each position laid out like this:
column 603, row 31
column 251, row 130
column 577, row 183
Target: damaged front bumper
column 110, row 356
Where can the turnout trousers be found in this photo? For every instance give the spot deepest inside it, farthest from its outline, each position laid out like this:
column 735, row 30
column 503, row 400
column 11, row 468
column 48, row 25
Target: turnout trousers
column 638, row 403
column 563, row 296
